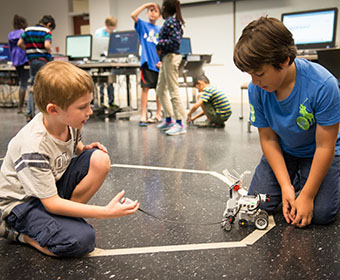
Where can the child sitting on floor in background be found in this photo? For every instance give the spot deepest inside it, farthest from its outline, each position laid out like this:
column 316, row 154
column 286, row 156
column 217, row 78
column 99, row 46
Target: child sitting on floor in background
column 214, row 103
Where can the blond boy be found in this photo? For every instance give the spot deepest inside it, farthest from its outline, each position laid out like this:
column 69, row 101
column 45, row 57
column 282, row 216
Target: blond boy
column 44, row 189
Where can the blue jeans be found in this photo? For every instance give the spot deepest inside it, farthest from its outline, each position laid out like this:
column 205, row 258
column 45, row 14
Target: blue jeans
column 110, row 94
column 64, row 236
column 327, row 200
column 35, row 66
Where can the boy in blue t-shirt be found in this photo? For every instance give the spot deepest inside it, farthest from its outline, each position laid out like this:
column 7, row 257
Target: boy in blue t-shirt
column 214, row 103
column 149, row 63
column 295, row 105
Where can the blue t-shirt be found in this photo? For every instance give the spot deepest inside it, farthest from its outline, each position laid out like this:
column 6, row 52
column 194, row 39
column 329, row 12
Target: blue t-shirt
column 315, row 99
column 148, row 34
column 101, row 32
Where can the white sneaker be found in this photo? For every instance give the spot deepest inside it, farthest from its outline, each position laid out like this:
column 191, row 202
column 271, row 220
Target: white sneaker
column 176, row 129
column 166, row 126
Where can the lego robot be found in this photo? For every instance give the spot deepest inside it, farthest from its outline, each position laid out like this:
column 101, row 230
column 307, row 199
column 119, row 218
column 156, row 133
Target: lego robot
column 242, row 206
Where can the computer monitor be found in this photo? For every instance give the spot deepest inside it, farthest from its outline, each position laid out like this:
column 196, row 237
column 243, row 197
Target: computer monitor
column 123, row 44
column 99, row 47
column 330, row 59
column 312, row 29
column 79, row 47
column 4, row 53
column 185, row 47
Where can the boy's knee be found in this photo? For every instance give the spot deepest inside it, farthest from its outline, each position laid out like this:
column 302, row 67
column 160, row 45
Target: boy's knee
column 326, row 208
column 100, row 161
column 85, row 243
column 270, row 206
column 323, row 218
column 80, row 244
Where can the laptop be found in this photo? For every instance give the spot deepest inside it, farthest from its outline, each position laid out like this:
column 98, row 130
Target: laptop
column 4, row 53
column 99, row 48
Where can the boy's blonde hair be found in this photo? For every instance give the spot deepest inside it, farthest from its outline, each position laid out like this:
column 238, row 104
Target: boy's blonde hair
column 60, row 83
column 111, row 21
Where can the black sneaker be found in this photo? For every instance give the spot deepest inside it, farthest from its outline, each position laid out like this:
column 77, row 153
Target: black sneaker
column 113, row 106
column 8, row 233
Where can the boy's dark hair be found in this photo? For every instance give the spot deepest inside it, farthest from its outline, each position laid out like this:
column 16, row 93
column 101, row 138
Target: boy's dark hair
column 202, row 78
column 19, row 22
column 173, row 7
column 48, row 20
column 264, row 41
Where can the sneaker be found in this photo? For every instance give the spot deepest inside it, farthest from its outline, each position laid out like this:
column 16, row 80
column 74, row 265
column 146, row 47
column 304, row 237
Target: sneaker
column 176, row 129
column 8, row 233
column 143, row 123
column 166, row 126
column 2, row 228
column 208, row 123
column 154, row 119
column 205, row 123
column 113, row 106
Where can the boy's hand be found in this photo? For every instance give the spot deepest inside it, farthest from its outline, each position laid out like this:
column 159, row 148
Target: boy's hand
column 151, row 5
column 288, row 203
column 116, row 209
column 95, row 145
column 304, row 211
column 159, row 64
column 189, row 118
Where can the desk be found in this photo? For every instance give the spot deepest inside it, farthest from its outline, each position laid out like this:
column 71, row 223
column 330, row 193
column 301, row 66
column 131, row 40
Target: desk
column 311, row 57
column 96, row 69
column 115, row 68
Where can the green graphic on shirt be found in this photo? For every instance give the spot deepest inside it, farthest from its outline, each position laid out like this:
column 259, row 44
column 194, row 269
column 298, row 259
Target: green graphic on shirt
column 252, row 113
column 307, row 119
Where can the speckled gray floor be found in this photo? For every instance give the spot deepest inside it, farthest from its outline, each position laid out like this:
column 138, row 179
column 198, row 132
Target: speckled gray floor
column 283, row 253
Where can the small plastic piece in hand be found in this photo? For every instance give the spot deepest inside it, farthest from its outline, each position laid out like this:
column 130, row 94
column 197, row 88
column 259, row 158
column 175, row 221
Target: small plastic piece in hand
column 126, row 200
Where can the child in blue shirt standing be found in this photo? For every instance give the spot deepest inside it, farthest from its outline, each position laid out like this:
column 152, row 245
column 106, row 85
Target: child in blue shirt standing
column 168, row 45
column 148, row 33
column 295, row 105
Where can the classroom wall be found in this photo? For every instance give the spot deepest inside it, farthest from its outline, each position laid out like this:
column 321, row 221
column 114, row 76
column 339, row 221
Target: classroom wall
column 99, row 11
column 210, row 26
